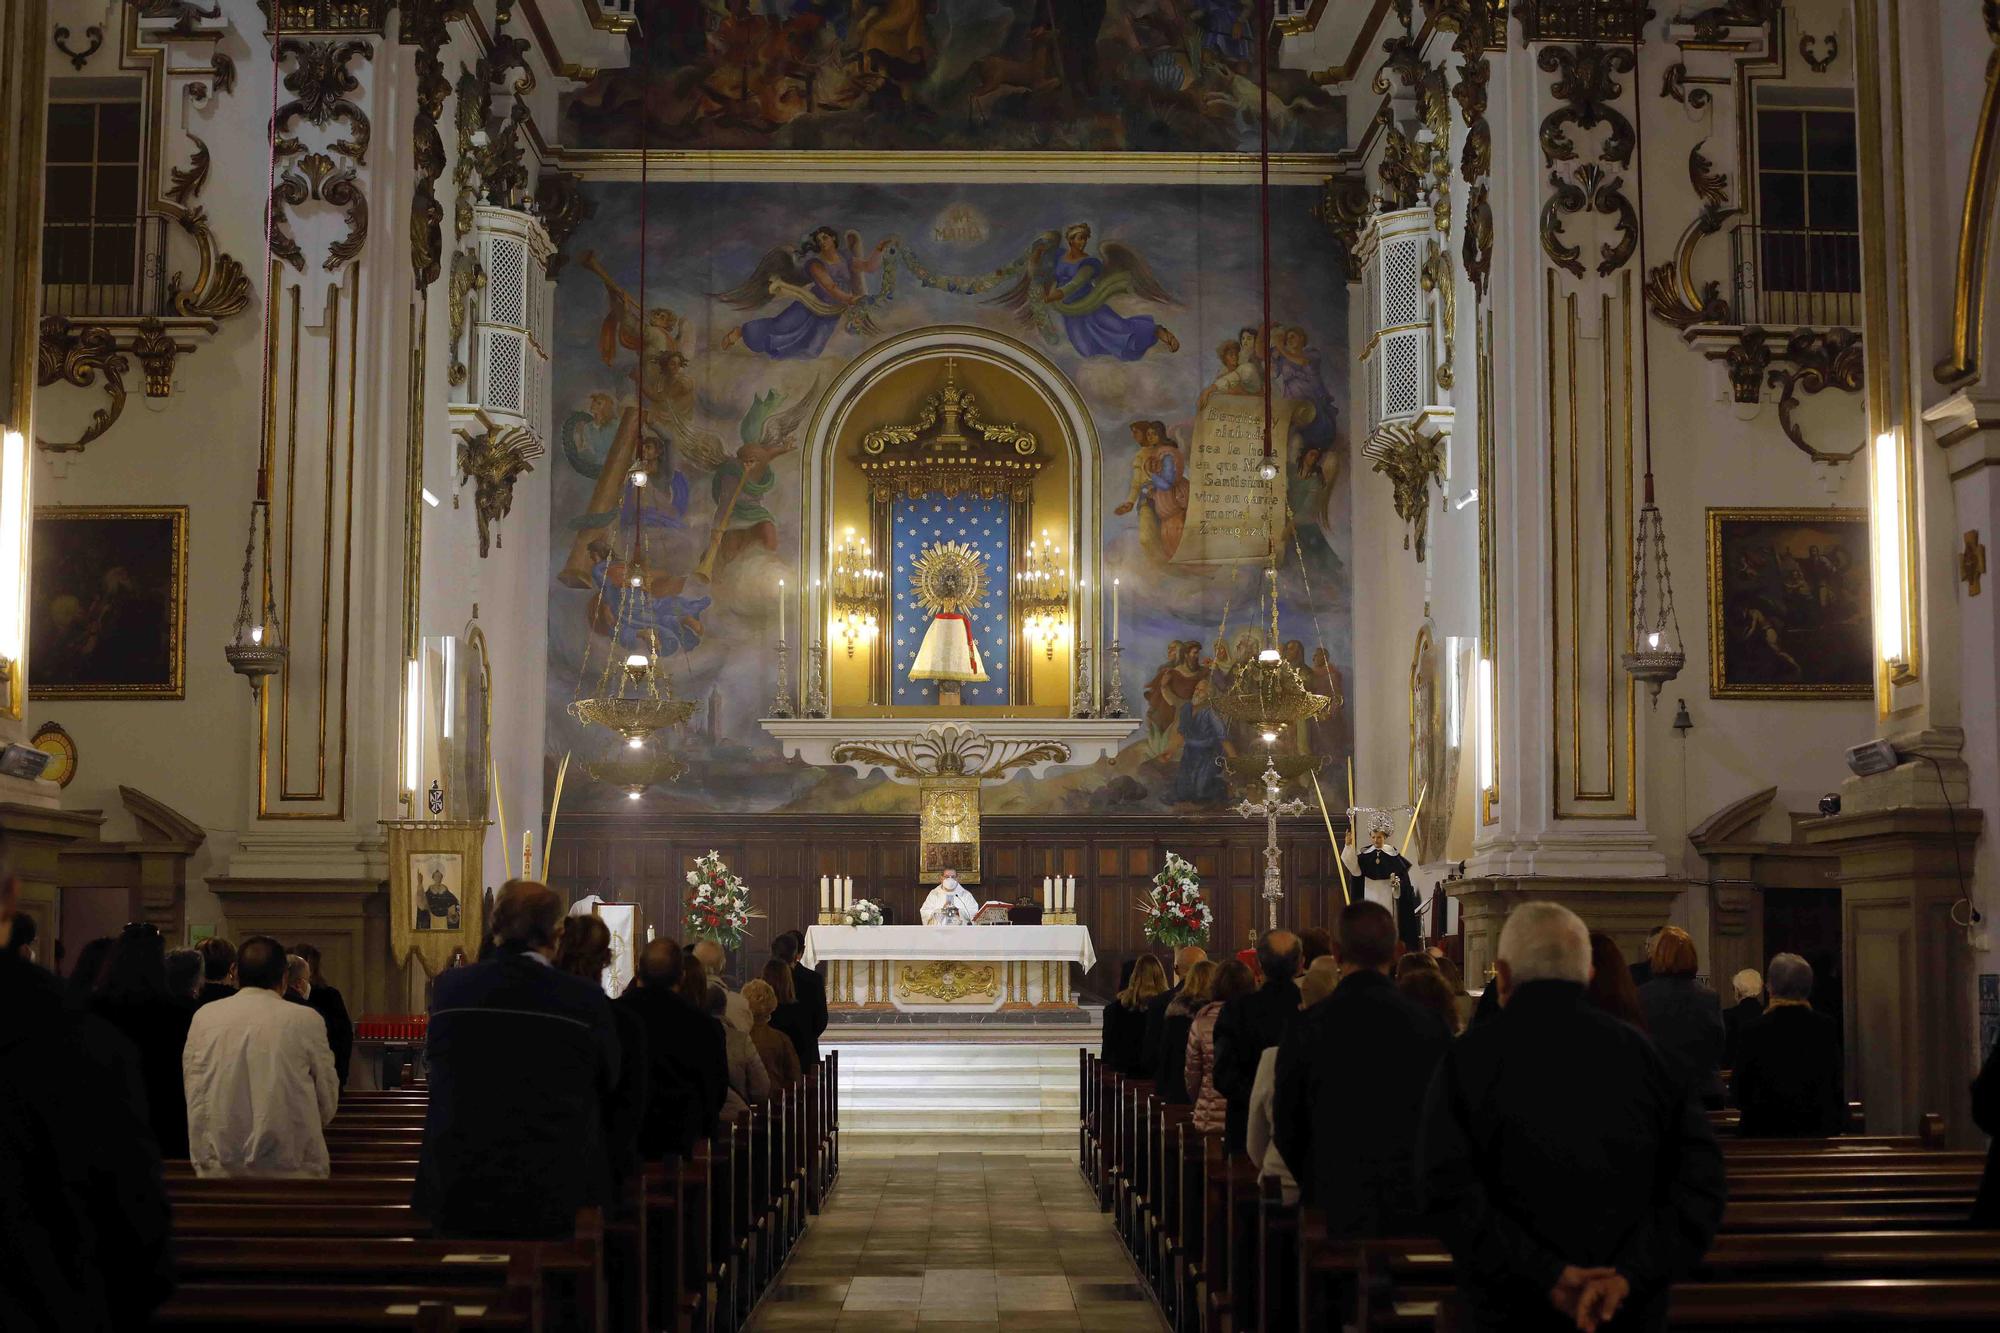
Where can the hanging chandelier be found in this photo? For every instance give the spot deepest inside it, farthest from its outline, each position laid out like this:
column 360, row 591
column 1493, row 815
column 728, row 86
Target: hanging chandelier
column 633, row 696
column 1657, row 653
column 256, row 648
column 1268, row 692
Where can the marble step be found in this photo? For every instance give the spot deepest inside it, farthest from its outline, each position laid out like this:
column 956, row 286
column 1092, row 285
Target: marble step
column 899, row 1088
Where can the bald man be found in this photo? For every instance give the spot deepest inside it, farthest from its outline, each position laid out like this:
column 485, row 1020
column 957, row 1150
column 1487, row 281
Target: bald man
column 1249, row 1023
column 522, row 1059
column 687, row 1056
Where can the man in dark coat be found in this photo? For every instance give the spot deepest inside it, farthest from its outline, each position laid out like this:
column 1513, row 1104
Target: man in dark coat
column 327, row 1000
column 1351, row 1078
column 84, row 1236
column 810, row 989
column 521, row 1059
column 1788, row 1073
column 1249, row 1023
column 1565, row 1163
column 687, row 1059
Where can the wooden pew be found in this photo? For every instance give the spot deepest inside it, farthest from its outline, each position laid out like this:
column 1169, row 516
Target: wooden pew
column 425, row 1308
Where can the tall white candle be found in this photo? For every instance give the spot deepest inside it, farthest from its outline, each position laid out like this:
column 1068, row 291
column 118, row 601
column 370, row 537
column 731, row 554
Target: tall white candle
column 781, row 610
column 1114, row 616
column 1069, row 894
column 825, row 895
column 846, row 892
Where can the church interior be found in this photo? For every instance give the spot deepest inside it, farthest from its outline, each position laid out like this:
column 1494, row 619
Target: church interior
column 962, row 502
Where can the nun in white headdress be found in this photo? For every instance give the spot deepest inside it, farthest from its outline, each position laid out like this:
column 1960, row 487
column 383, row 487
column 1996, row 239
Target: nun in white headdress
column 1385, row 875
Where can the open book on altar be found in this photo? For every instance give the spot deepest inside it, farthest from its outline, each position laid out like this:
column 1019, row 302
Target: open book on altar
column 991, row 914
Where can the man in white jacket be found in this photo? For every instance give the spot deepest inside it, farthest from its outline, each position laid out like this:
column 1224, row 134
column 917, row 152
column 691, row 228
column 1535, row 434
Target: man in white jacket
column 259, row 1077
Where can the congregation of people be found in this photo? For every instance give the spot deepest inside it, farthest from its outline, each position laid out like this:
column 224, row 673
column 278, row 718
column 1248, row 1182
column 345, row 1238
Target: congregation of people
column 233, row 1058
column 1554, row 1132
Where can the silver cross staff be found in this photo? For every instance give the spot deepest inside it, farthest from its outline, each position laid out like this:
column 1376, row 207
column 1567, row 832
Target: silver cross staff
column 1270, row 808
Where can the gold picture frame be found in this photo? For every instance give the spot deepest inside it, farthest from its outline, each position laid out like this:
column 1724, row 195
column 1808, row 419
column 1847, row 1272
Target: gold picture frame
column 1789, row 604
column 107, row 607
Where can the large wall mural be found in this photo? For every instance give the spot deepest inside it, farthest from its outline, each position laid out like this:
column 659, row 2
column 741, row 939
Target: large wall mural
column 961, row 74
column 1146, row 297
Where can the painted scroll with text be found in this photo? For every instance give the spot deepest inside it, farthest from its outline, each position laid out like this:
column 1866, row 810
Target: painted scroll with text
column 1232, row 513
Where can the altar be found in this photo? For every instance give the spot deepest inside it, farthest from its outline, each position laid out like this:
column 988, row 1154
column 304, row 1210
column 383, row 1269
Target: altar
column 963, row 969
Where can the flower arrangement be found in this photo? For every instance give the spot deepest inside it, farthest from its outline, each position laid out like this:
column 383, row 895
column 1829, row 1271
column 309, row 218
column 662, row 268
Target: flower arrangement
column 718, row 903
column 864, row 912
column 1172, row 912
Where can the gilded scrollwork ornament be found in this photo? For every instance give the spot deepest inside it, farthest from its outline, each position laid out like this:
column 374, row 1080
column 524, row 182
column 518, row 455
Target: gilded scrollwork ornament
column 76, row 355
column 1747, row 359
column 320, row 82
column 1674, row 84
column 1596, row 191
column 1587, row 84
column 1814, row 362
column 466, row 278
column 1410, row 460
column 1438, row 279
column 1671, row 291
column 184, row 183
column 424, row 27
column 1477, row 248
column 221, row 289
column 78, row 59
column 565, row 207
column 1343, row 208
column 493, row 461
column 156, row 350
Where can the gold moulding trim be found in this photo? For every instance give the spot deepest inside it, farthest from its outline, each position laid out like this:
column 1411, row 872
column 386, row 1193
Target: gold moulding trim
column 632, row 717
column 949, row 982
column 636, row 773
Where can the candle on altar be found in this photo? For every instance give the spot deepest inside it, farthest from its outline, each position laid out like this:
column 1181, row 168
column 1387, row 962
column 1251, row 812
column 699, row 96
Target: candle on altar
column 649, row 934
column 1048, row 897
column 1069, row 894
column 825, row 895
column 1114, row 619
column 846, row 892
column 781, row 610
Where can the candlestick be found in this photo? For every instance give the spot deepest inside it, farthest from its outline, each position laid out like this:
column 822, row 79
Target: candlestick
column 527, row 853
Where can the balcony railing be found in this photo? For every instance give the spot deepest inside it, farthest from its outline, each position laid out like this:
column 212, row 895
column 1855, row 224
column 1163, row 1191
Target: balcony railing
column 1787, row 276
column 105, row 267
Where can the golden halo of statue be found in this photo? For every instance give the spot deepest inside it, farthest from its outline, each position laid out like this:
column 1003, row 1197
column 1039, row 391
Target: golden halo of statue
column 948, row 578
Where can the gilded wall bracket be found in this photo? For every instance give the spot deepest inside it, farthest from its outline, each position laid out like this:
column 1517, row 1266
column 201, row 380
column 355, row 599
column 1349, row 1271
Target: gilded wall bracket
column 1814, row 362
column 78, row 355
column 493, row 460
column 1410, row 459
column 1343, row 208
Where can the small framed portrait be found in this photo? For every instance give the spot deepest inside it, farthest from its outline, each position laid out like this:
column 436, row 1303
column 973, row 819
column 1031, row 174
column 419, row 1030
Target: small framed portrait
column 108, row 603
column 1790, row 614
column 437, row 891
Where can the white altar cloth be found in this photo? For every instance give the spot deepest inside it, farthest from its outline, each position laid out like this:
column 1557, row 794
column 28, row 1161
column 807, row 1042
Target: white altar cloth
column 971, row 944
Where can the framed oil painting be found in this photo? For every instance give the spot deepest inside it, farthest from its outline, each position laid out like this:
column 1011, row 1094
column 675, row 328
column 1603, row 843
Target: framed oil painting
column 107, row 611
column 1788, row 604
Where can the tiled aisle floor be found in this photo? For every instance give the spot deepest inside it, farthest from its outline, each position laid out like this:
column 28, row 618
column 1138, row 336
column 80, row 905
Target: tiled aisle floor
column 969, row 1241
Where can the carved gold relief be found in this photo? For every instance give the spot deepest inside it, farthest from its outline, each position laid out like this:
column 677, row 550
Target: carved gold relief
column 1813, row 363
column 1586, row 84
column 1671, row 293
column 320, row 81
column 78, row 356
column 1437, row 279
column 1343, row 207
column 493, row 460
column 564, row 207
column 936, row 453
column 948, row 982
column 1409, row 459
column 423, row 26
column 221, row 288
column 1593, row 190
column 948, row 828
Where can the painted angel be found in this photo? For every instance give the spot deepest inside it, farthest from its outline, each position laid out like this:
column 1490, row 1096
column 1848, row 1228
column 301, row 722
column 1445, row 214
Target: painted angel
column 822, row 278
column 1078, row 287
column 742, row 480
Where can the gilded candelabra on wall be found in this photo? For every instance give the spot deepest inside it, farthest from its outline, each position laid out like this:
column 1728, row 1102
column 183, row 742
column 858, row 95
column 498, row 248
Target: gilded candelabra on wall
column 856, row 587
column 1041, row 594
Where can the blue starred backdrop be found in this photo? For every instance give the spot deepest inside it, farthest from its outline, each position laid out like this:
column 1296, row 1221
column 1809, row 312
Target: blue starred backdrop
column 982, row 525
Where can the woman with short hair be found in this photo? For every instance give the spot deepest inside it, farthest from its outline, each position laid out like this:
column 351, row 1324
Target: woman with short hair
column 781, row 1058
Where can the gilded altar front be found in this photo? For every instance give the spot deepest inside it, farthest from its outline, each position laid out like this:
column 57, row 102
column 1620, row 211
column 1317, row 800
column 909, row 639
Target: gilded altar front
column 945, row 969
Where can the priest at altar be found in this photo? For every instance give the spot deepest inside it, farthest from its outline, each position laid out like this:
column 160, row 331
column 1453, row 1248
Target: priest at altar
column 949, row 904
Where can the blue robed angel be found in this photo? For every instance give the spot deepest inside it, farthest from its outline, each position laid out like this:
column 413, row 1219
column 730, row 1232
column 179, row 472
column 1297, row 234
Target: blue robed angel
column 1075, row 287
column 822, row 278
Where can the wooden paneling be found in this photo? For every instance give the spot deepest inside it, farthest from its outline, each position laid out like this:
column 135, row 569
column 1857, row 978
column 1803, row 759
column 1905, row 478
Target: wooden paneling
column 644, row 859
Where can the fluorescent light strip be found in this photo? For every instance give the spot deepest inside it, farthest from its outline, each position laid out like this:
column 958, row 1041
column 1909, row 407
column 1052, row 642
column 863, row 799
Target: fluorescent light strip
column 1885, row 526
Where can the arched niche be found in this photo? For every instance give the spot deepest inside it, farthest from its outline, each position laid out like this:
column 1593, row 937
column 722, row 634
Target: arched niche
column 1012, row 383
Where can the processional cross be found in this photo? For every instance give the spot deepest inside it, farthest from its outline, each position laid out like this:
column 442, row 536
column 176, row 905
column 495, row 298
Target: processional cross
column 1269, row 809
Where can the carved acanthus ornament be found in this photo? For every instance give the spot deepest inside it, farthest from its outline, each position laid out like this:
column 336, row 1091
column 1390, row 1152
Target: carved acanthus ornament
column 564, row 207
column 493, row 460
column 424, row 25
column 1592, row 190
column 1675, row 85
column 1747, row 359
column 951, row 752
column 77, row 356
column 1473, row 22
column 1586, row 83
column 466, row 278
column 1439, row 281
column 320, row 82
column 1814, row 363
column 1671, row 292
column 1343, row 207
column 1410, row 459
